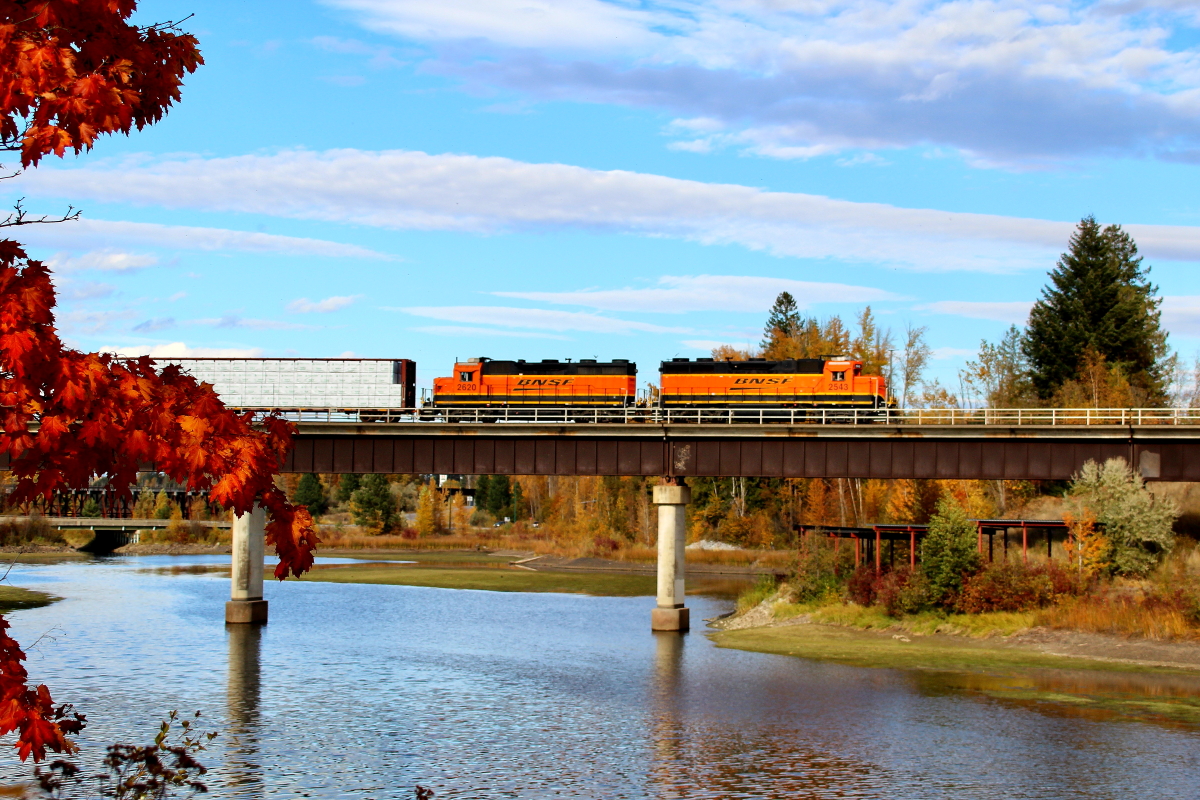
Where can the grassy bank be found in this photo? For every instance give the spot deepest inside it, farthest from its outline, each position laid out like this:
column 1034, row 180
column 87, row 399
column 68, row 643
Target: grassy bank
column 14, row 598
column 1054, row 684
column 492, row 579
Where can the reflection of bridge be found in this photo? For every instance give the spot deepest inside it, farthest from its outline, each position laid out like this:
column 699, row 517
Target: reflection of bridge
column 1048, row 444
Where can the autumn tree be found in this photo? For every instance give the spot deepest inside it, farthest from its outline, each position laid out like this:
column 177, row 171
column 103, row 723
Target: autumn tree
column 1099, row 299
column 999, row 375
column 373, row 504
column 70, row 71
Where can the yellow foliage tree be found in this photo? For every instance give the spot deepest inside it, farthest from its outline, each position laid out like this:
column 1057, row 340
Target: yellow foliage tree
column 1087, row 548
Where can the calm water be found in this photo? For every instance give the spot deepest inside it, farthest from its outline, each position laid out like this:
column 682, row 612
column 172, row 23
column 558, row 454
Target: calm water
column 365, row 691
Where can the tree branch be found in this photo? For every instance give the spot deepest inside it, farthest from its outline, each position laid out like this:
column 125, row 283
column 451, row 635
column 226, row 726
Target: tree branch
column 20, row 216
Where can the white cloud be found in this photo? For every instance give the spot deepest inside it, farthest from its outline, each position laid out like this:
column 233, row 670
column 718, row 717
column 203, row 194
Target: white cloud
column 1181, row 314
column 413, row 190
column 82, row 290
column 1005, row 81
column 305, row 306
column 111, row 234
column 153, row 325
column 1016, row 312
column 537, row 319
column 238, row 321
column 181, row 350
column 89, row 322
column 678, row 294
column 475, row 333
column 101, row 260
column 557, row 24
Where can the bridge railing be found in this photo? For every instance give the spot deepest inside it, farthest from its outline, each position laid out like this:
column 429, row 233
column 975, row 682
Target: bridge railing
column 1003, row 417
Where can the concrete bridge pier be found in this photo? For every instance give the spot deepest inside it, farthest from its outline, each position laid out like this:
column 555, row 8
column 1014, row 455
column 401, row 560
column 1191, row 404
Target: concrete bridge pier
column 672, row 501
column 246, row 604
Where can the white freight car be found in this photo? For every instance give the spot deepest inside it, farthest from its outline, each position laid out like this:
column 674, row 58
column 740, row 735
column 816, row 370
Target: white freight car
column 338, row 383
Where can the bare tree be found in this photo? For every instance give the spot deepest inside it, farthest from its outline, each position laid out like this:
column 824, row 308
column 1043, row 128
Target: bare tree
column 916, row 357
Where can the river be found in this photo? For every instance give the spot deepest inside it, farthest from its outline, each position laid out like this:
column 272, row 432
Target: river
column 365, row 691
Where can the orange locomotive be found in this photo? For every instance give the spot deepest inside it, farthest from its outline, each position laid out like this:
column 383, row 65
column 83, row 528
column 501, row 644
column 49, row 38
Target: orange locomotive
column 757, row 383
column 485, row 383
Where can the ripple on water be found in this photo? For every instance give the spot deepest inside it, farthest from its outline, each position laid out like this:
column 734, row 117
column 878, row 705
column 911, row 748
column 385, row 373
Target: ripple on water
column 365, row 691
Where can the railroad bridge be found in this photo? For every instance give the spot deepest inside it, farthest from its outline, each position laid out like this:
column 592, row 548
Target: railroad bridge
column 1050, row 444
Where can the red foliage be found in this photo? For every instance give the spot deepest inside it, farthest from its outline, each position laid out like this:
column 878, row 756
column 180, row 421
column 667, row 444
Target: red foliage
column 31, row 712
column 75, row 69
column 1016, row 587
column 66, row 416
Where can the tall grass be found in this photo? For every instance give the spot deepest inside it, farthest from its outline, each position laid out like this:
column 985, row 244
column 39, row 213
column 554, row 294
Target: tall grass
column 544, row 541
column 1121, row 616
column 19, row 532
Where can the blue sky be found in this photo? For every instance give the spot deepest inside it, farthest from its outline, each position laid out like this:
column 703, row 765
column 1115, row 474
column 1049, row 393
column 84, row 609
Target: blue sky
column 582, row 178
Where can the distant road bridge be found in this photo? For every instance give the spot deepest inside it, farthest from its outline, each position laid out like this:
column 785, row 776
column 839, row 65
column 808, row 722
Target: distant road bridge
column 1050, row 444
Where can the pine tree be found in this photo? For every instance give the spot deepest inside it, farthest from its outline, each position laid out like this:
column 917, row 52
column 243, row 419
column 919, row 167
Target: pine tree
column 483, row 492
column 162, row 505
column 783, row 321
column 311, row 493
column 1101, row 300
column 499, row 498
column 347, row 486
column 518, row 501
column 373, row 504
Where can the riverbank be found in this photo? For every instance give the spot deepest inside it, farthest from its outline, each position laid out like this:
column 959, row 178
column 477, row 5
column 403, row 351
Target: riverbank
column 14, row 598
column 995, row 655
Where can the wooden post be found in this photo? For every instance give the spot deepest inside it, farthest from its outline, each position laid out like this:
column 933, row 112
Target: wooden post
column 878, row 555
column 912, row 547
column 1024, row 542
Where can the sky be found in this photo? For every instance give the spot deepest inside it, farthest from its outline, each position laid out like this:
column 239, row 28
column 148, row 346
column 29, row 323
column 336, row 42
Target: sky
column 593, row 179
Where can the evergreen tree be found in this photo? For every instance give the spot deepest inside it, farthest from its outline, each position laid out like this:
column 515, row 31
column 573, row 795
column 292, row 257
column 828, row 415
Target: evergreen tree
column 518, row 501
column 1099, row 300
column 949, row 551
column 162, row 505
column 373, row 504
column 311, row 493
column 783, row 321
column 347, row 486
column 499, row 498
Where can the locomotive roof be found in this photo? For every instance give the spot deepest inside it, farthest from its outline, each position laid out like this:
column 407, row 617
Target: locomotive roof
column 586, row 366
column 756, row 366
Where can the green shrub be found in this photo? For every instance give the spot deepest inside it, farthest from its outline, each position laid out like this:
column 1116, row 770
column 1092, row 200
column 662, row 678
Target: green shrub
column 310, row 493
column 949, row 552
column 902, row 591
column 1136, row 523
column 764, row 587
column 821, row 569
column 1006, row 587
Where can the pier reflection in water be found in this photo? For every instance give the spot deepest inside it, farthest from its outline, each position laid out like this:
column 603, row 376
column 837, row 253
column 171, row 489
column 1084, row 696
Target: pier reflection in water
column 242, row 763
column 366, row 691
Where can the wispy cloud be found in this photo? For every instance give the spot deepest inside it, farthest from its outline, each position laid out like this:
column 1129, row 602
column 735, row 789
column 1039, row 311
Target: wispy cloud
column 412, row 190
column 677, row 294
column 305, row 306
column 1003, row 81
column 238, row 321
column 110, row 235
column 181, row 350
column 102, row 260
column 153, row 325
column 537, row 319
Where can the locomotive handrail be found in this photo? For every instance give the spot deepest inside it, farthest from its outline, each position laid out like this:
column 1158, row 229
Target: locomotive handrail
column 634, row 415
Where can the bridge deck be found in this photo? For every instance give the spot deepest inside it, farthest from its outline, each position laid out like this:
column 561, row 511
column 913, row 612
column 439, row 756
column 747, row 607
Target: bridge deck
column 1029, row 452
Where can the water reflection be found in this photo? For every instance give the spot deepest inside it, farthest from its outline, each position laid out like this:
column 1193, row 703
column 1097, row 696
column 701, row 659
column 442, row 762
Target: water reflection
column 365, row 691
column 242, row 697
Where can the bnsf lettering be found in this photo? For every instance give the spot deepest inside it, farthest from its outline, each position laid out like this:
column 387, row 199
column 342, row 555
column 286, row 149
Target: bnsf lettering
column 545, row 381
column 760, row 381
